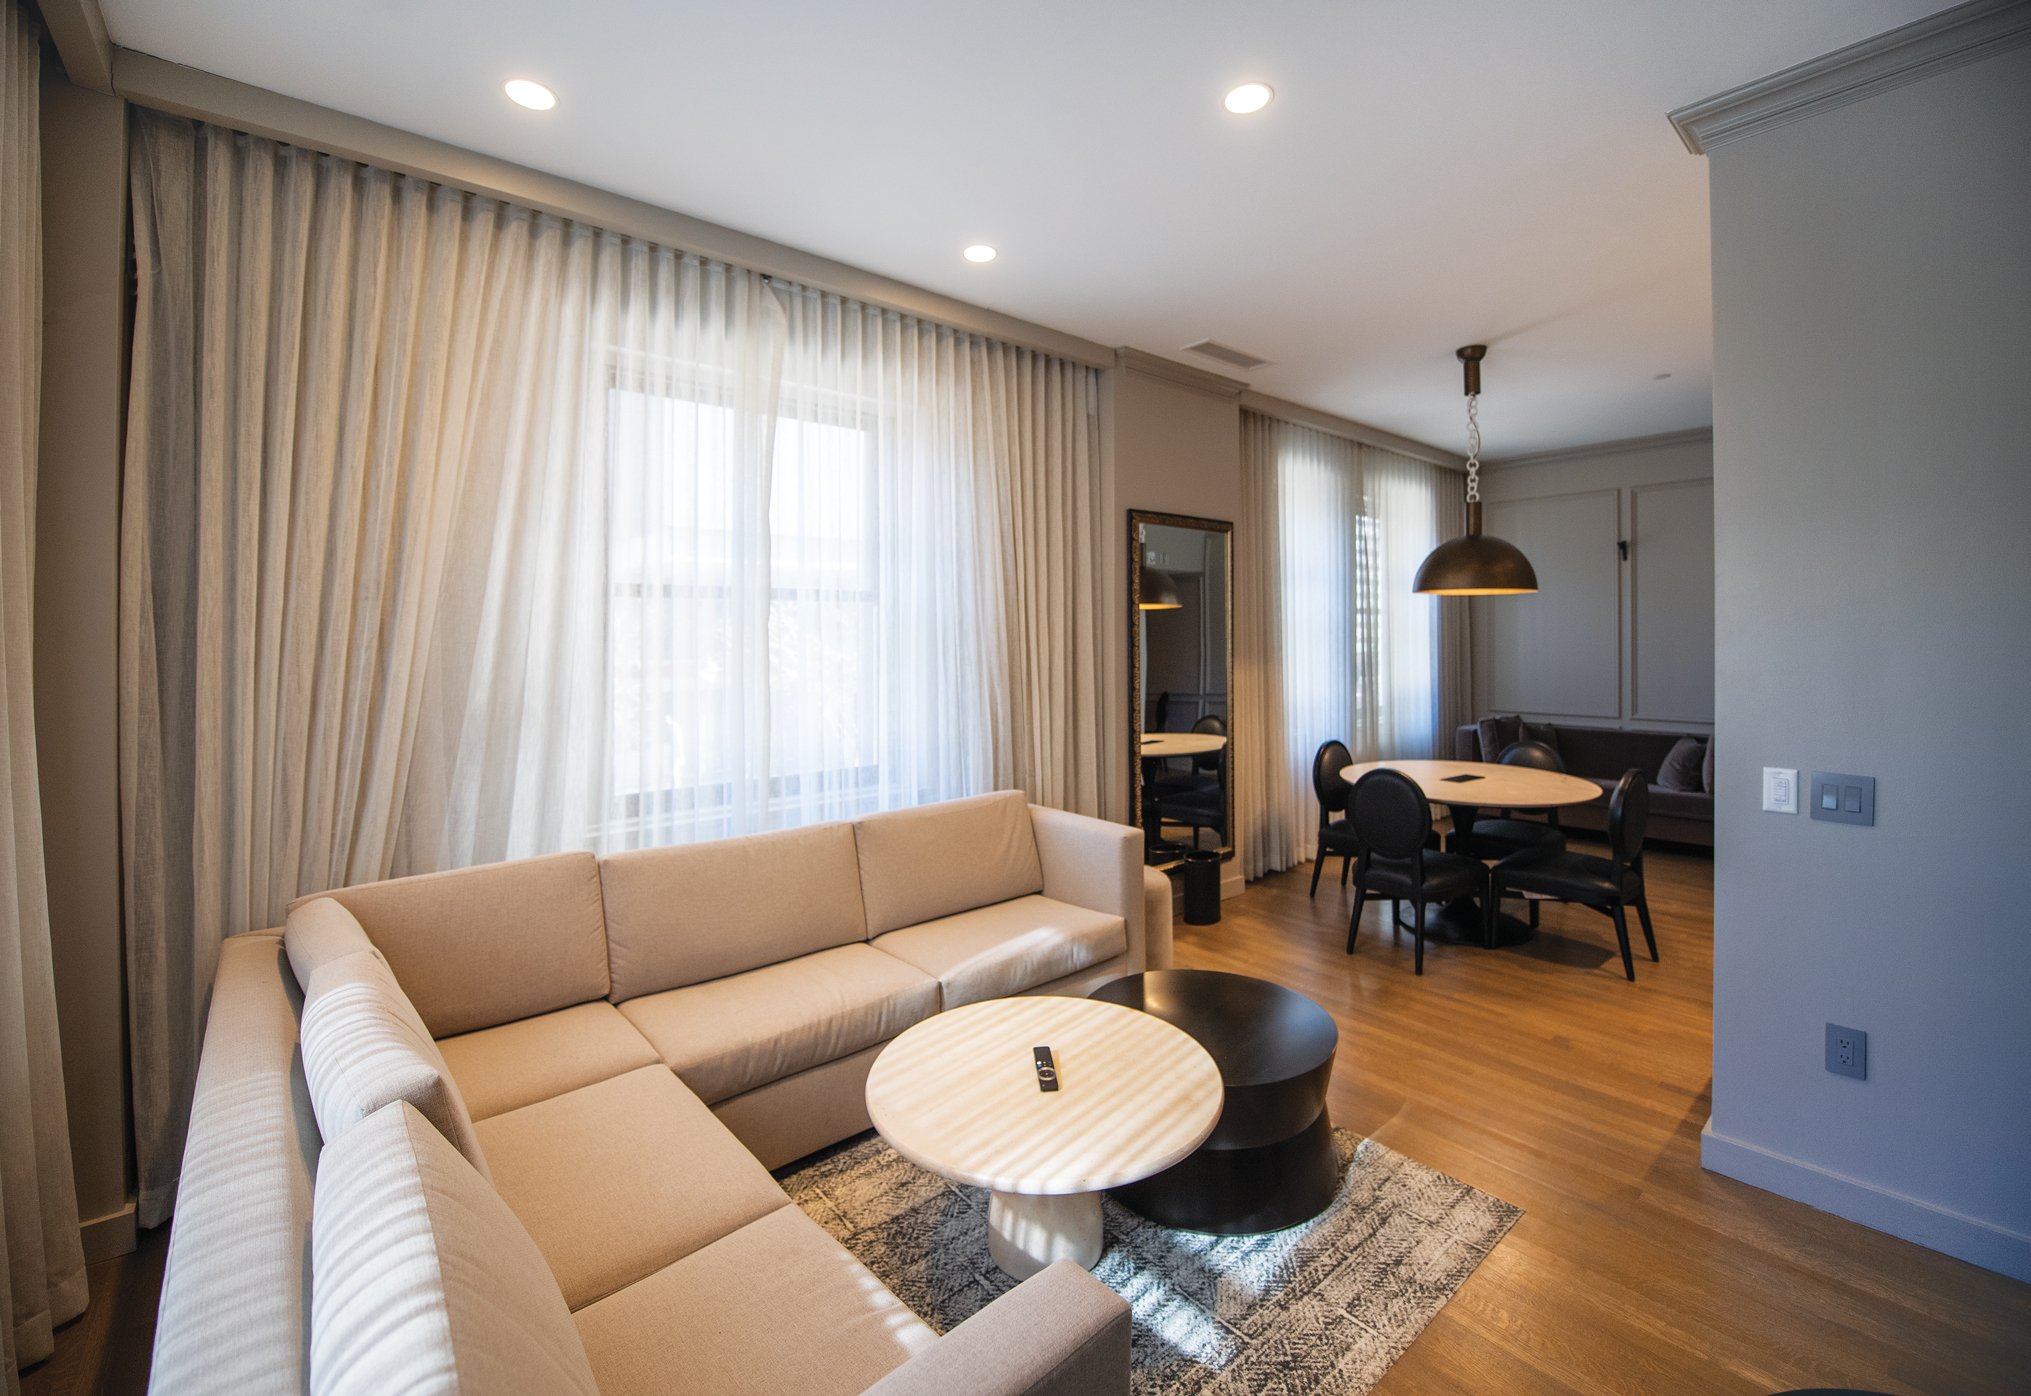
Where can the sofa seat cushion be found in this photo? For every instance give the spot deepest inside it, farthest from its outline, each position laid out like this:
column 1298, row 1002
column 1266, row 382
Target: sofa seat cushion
column 937, row 860
column 617, row 1180
column 718, row 1317
column 421, row 1278
column 1680, row 804
column 731, row 1035
column 364, row 1047
column 994, row 951
column 516, row 1064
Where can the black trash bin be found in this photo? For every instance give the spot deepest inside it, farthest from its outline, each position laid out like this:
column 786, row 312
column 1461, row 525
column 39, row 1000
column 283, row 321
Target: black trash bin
column 1202, row 889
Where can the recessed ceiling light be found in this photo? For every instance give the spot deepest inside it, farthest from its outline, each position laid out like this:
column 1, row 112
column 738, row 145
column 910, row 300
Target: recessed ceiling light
column 533, row 95
column 1249, row 97
column 979, row 252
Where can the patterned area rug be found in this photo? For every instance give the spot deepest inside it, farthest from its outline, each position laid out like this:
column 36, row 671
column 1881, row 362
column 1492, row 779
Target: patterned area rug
column 1322, row 1307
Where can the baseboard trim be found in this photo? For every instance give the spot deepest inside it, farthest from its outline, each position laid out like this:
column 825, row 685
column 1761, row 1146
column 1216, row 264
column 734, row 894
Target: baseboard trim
column 1897, row 1214
column 110, row 1235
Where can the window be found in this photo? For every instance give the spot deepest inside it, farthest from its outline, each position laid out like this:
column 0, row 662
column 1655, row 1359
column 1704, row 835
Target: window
column 743, row 620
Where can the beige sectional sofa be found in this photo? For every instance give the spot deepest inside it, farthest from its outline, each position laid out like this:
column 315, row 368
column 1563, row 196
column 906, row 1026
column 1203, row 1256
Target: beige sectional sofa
column 595, row 1062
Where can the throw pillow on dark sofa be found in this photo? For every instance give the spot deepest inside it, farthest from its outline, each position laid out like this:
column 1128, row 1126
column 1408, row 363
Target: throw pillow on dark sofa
column 1498, row 734
column 1681, row 768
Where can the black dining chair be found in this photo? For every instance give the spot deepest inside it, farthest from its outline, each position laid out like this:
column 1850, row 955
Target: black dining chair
column 1608, row 885
column 1393, row 822
column 1199, row 800
column 1506, row 836
column 1207, row 765
column 1336, row 835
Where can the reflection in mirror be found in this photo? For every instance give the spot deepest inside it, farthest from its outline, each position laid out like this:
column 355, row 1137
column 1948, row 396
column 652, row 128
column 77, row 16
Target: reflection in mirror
column 1180, row 678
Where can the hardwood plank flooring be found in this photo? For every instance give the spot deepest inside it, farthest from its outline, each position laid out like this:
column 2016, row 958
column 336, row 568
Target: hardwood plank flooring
column 105, row 1351
column 1540, row 1075
column 1543, row 1076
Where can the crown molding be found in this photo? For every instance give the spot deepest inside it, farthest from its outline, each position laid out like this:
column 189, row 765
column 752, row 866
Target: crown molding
column 1336, row 425
column 179, row 90
column 1950, row 39
column 1626, row 446
column 1171, row 371
column 78, row 29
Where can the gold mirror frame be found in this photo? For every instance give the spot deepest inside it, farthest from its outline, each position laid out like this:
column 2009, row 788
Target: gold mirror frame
column 1138, row 519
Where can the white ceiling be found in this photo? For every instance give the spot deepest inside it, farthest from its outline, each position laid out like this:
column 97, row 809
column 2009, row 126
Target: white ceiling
column 1429, row 175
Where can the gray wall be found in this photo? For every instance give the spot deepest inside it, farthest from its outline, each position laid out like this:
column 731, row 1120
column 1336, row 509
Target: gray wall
column 1604, row 642
column 1174, row 445
column 84, row 153
column 1872, row 470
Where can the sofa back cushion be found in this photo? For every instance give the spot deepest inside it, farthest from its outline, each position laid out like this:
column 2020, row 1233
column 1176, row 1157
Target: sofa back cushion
column 423, row 1281
column 483, row 946
column 364, row 1048
column 319, row 931
column 678, row 916
column 938, row 860
column 1604, row 753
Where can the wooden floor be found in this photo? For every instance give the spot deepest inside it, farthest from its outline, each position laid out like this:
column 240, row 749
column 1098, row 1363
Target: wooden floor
column 1538, row 1074
column 105, row 1353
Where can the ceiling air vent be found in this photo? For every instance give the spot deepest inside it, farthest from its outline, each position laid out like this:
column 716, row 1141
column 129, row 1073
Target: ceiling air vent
column 1226, row 354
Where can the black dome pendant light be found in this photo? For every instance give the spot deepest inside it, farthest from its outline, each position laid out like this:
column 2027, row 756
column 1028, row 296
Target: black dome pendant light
column 1476, row 563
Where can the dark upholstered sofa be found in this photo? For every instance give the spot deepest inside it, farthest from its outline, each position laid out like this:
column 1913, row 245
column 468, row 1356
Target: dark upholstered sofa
column 1602, row 754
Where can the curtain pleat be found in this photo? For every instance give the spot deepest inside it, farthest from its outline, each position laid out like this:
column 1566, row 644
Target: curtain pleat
column 455, row 532
column 1331, row 642
column 42, row 1266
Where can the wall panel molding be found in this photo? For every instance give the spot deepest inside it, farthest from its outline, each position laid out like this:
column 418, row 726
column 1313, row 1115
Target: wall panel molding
column 1670, row 586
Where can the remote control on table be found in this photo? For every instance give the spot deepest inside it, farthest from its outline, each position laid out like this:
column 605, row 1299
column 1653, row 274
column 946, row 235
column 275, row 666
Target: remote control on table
column 1047, row 1069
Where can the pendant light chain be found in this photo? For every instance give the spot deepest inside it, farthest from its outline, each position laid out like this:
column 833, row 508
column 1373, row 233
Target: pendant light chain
column 1473, row 448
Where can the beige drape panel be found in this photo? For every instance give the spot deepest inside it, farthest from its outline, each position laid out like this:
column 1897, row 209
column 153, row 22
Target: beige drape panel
column 42, row 1266
column 1268, row 834
column 1331, row 641
column 455, row 532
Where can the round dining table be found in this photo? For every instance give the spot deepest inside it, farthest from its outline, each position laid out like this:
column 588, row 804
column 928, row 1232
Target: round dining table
column 1465, row 786
column 1152, row 748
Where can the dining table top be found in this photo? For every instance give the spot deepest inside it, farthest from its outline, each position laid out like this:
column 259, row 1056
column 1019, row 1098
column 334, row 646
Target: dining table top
column 1155, row 744
column 1485, row 784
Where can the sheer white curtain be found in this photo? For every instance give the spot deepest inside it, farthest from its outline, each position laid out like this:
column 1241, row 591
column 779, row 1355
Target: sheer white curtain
column 42, row 1265
column 1346, row 649
column 456, row 533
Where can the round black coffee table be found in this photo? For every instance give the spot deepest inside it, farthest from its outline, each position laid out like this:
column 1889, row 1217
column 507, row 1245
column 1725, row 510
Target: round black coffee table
column 1269, row 1162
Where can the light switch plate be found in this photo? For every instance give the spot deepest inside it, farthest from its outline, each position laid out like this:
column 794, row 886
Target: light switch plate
column 1780, row 789
column 1841, row 799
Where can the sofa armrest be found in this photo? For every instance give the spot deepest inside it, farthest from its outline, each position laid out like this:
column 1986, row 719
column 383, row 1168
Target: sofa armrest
column 1467, row 742
column 235, row 1304
column 1156, row 919
column 1059, row 1333
column 1095, row 864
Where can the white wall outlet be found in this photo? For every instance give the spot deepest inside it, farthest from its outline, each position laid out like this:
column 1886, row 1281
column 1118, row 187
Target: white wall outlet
column 1780, row 789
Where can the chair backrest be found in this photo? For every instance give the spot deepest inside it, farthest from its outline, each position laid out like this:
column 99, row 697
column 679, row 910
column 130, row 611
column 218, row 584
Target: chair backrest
column 1390, row 814
column 1628, row 818
column 1327, row 782
column 1535, row 755
column 1217, row 725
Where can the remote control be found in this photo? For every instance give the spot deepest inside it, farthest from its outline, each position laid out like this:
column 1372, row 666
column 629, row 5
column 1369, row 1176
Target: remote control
column 1047, row 1070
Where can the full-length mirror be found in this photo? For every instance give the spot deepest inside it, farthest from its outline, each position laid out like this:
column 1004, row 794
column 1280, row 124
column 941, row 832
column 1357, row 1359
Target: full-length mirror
column 1180, row 678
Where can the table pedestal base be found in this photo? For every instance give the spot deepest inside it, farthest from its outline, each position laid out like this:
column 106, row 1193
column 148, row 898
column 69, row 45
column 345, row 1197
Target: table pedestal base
column 1242, row 1192
column 1459, row 923
column 1025, row 1233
